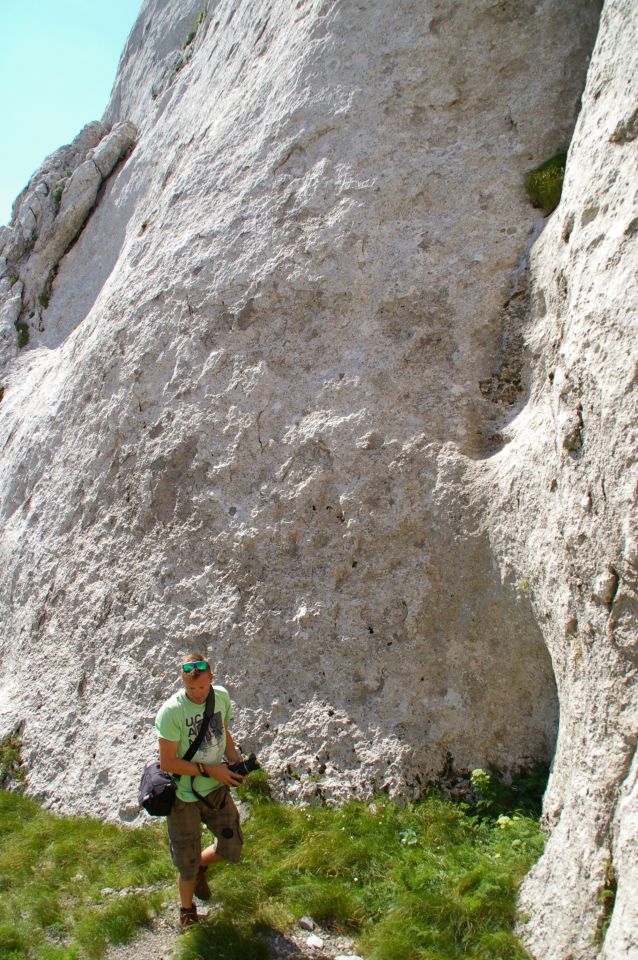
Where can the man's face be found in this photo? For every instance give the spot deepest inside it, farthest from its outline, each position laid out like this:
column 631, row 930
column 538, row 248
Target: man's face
column 197, row 685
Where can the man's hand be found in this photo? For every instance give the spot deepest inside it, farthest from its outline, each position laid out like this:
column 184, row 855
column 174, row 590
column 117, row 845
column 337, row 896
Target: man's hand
column 222, row 774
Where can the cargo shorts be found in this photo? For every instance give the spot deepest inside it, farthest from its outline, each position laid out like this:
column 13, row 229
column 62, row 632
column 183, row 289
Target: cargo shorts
column 185, row 833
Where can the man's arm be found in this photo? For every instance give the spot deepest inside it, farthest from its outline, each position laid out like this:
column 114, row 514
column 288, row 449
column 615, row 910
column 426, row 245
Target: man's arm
column 232, row 753
column 171, row 763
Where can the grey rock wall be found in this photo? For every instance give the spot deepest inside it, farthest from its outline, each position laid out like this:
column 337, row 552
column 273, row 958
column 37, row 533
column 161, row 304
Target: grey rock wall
column 566, row 512
column 290, row 399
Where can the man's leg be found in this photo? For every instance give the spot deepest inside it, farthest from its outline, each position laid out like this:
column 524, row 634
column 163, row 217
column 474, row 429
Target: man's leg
column 184, row 834
column 209, row 855
column 186, row 890
column 222, row 819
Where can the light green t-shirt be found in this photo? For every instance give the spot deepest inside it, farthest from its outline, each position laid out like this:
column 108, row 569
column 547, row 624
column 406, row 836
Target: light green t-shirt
column 179, row 721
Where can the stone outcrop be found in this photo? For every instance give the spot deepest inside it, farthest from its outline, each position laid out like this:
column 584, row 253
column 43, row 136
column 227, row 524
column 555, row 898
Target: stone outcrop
column 311, row 391
column 46, row 219
column 564, row 510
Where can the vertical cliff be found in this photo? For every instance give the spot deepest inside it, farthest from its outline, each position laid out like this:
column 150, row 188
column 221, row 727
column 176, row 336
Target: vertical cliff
column 565, row 512
column 295, row 389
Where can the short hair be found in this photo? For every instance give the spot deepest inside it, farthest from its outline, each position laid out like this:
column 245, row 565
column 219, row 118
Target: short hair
column 194, row 657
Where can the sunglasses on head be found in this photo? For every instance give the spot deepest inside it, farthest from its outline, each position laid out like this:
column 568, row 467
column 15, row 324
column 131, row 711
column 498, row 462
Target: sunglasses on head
column 195, row 665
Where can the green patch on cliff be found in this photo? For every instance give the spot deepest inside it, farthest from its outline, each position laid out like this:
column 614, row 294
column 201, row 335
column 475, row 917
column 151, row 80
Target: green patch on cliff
column 22, row 330
column 544, row 184
column 11, row 769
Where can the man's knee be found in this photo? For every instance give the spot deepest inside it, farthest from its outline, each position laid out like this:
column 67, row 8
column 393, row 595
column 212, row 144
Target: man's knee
column 230, row 841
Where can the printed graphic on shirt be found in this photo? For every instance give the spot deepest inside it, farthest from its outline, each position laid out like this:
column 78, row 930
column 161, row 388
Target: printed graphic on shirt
column 214, row 742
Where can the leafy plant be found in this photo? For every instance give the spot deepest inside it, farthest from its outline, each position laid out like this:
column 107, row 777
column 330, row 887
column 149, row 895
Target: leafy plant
column 544, row 184
column 495, row 798
column 12, row 280
column 606, row 899
column 43, row 300
column 415, row 881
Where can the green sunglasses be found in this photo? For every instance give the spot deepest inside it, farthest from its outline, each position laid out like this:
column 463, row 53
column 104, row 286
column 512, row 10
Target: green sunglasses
column 195, row 665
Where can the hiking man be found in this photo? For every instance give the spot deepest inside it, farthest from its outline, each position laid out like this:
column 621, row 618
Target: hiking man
column 177, row 724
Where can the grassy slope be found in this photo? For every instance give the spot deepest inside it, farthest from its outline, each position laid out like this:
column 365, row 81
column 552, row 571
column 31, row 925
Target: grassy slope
column 418, row 882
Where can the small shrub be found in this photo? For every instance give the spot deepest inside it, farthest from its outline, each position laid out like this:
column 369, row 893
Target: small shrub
column 606, row 899
column 191, row 36
column 12, row 280
column 23, row 333
column 495, row 799
column 544, row 184
column 56, row 194
column 11, row 768
column 43, row 300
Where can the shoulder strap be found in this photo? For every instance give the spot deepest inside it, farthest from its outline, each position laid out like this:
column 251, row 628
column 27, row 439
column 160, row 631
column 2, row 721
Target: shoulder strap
column 209, row 710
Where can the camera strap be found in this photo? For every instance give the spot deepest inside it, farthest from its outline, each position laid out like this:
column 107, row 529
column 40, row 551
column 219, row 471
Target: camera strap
column 209, row 710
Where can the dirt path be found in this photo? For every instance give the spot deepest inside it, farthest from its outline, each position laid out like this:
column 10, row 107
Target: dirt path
column 159, row 942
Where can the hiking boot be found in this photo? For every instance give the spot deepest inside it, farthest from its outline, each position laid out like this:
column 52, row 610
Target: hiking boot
column 202, row 890
column 187, row 917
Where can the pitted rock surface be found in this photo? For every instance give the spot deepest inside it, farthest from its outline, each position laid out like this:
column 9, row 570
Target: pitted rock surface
column 317, row 389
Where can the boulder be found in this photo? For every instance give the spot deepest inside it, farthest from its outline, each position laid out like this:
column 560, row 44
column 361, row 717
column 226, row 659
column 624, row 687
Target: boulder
column 318, row 390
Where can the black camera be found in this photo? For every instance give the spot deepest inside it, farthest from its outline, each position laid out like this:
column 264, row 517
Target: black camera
column 245, row 766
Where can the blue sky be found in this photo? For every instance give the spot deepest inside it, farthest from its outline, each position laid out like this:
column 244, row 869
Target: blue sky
column 58, row 60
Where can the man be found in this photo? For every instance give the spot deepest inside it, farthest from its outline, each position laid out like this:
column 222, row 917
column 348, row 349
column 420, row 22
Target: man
column 177, row 725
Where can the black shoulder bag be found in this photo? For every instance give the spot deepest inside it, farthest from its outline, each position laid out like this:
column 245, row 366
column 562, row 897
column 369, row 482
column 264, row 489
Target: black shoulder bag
column 158, row 789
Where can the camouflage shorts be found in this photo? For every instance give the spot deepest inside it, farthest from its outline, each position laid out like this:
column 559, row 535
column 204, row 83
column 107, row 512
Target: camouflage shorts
column 185, row 833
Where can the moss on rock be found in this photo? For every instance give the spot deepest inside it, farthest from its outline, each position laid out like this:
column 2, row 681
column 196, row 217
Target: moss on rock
column 544, row 184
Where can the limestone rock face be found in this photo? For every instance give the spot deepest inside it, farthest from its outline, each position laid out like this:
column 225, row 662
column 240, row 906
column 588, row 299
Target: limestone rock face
column 47, row 218
column 307, row 394
column 565, row 511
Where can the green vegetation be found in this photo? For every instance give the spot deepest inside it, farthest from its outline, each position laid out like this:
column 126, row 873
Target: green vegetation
column 43, row 300
column 494, row 799
column 60, row 879
column 56, row 193
column 544, row 184
column 425, row 881
column 11, row 769
column 23, row 333
column 191, row 36
column 607, row 899
column 12, row 280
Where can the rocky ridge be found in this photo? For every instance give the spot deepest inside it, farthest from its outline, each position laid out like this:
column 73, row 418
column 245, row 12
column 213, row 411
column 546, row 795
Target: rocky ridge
column 308, row 391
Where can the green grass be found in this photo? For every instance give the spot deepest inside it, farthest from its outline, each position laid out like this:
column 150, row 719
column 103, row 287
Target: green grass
column 52, row 874
column 424, row 881
column 430, row 880
column 544, row 184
